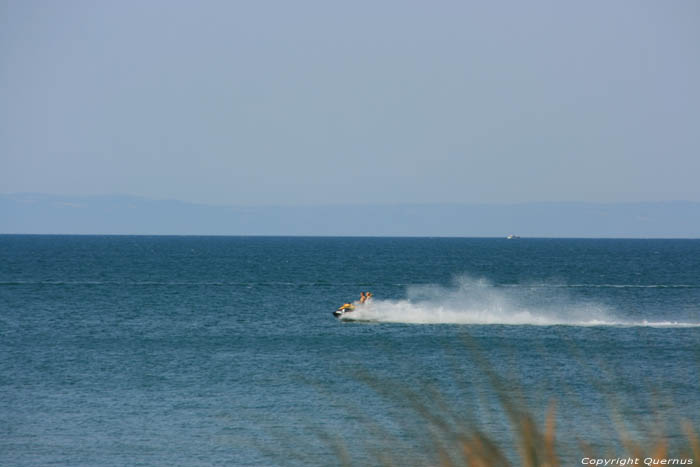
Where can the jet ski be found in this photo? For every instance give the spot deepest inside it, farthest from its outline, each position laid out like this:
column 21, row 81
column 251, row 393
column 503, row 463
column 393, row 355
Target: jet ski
column 350, row 307
column 343, row 309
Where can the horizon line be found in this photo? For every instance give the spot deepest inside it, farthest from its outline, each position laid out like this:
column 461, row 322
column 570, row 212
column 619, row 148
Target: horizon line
column 515, row 240
column 379, row 204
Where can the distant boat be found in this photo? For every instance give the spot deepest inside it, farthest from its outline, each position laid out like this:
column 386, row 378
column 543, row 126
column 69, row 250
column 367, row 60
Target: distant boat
column 512, row 237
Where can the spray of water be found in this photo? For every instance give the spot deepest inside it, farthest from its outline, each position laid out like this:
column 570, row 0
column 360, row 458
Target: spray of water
column 477, row 301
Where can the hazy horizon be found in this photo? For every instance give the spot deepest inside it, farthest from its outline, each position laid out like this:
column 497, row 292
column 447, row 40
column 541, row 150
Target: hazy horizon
column 322, row 203
column 129, row 215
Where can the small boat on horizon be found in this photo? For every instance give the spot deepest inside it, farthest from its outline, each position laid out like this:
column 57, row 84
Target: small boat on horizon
column 512, row 237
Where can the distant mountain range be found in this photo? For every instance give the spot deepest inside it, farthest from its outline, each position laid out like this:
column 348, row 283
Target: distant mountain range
column 50, row 214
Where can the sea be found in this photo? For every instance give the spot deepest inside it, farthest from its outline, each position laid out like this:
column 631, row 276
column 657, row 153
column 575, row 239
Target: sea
column 203, row 351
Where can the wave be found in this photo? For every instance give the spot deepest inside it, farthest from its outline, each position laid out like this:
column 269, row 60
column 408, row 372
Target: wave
column 605, row 286
column 479, row 302
column 323, row 283
column 193, row 283
column 170, row 283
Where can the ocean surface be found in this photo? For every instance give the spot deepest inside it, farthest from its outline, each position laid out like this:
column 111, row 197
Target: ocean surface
column 198, row 351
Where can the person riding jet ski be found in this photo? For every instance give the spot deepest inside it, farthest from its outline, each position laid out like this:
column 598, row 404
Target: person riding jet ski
column 348, row 307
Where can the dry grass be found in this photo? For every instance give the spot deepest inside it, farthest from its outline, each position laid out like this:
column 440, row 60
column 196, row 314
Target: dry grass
column 423, row 427
column 453, row 443
column 453, row 439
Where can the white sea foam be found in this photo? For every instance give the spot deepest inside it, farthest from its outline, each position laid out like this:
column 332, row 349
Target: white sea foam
column 476, row 301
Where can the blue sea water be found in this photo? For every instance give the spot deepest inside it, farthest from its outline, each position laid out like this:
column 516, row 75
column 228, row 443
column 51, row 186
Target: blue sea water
column 155, row 351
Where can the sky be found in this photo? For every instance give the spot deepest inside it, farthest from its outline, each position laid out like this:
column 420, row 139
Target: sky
column 363, row 102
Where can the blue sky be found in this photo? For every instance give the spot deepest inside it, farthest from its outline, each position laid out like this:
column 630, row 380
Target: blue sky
column 314, row 102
